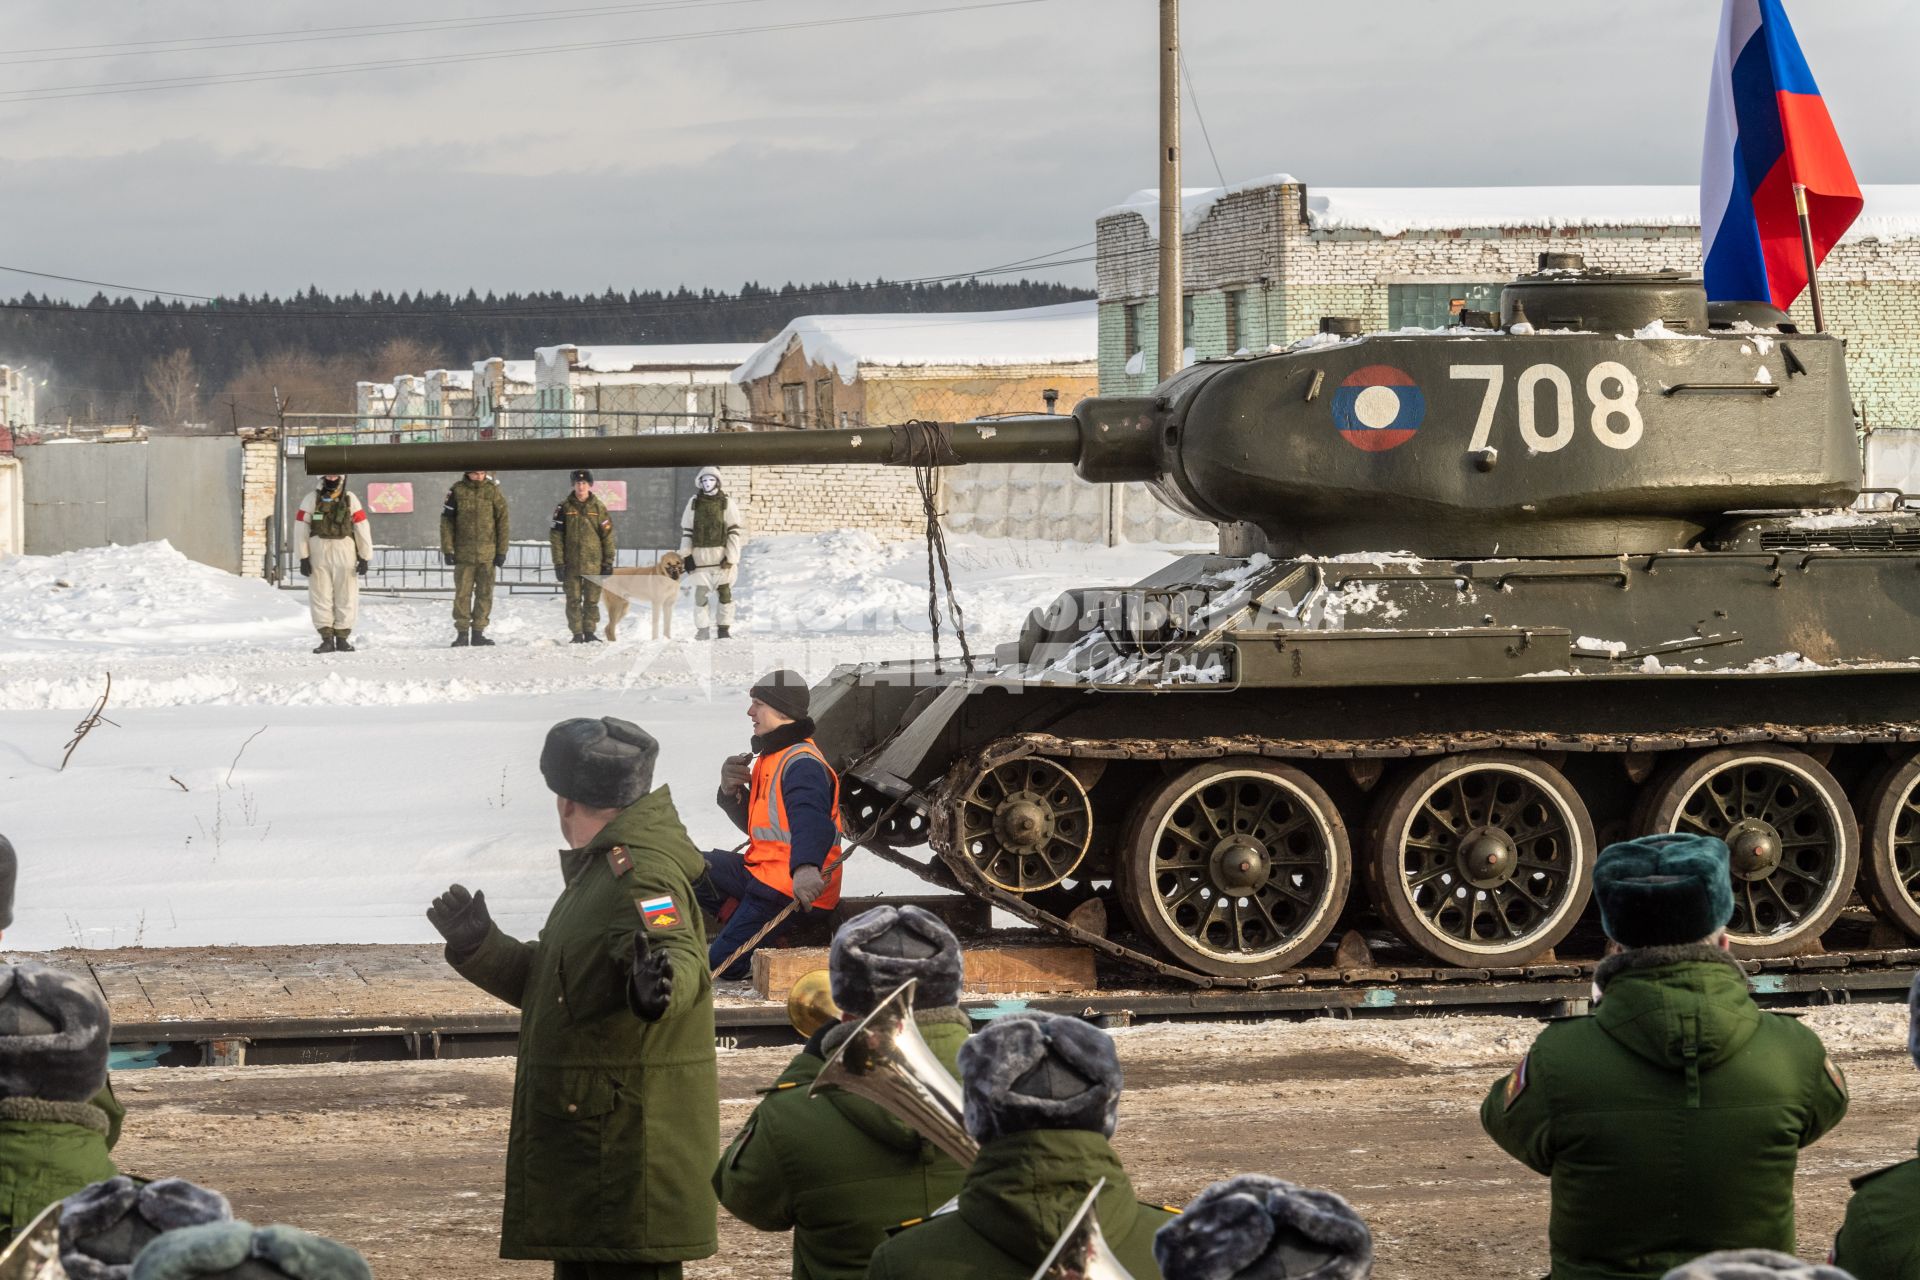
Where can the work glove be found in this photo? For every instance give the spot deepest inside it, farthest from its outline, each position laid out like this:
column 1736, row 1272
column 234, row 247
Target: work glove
column 808, row 884
column 559, row 573
column 446, row 557
column 360, row 566
column 725, row 565
column 651, row 988
column 736, row 773
column 499, row 562
column 306, row 566
column 461, row 918
column 606, row 567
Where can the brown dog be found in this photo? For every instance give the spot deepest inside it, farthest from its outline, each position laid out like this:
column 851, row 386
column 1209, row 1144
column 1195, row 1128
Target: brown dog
column 656, row 584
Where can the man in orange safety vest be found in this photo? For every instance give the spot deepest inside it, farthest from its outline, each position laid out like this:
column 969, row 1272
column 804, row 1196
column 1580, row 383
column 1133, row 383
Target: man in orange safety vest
column 787, row 799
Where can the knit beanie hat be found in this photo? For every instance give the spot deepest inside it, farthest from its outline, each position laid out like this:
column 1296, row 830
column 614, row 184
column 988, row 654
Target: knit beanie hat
column 602, row 764
column 9, row 872
column 877, row 950
column 785, row 691
column 53, row 1034
column 1258, row 1228
column 1664, row 890
column 1754, row 1264
column 235, row 1251
column 105, row 1226
column 1039, row 1071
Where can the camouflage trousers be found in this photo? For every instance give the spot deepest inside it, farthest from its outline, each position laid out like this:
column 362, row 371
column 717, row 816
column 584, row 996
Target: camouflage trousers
column 472, row 596
column 583, row 605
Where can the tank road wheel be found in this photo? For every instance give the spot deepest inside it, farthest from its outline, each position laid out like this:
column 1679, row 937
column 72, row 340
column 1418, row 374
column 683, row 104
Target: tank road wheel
column 1890, row 823
column 861, row 805
column 1237, row 867
column 1792, row 834
column 1025, row 824
column 1482, row 859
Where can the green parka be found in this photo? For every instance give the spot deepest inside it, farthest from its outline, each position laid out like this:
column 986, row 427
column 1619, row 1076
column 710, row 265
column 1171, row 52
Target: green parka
column 582, row 535
column 616, row 1121
column 1880, row 1239
column 837, row 1170
column 1016, row 1201
column 473, row 523
column 1670, row 1119
column 49, row 1150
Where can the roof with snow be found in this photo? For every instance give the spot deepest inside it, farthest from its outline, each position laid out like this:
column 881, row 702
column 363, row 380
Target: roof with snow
column 511, row 370
column 686, row 355
column 1068, row 333
column 458, row 378
column 1892, row 211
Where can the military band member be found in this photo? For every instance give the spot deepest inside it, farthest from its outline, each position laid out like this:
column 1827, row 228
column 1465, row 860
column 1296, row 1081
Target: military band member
column 1042, row 1094
column 1671, row 1118
column 1258, row 1228
column 1880, row 1239
column 616, row 1118
column 838, row 1170
column 582, row 544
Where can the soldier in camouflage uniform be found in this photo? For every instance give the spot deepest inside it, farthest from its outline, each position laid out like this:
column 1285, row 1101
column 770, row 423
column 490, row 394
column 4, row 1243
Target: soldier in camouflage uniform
column 582, row 543
column 473, row 539
column 711, row 535
column 1880, row 1239
column 53, row 1059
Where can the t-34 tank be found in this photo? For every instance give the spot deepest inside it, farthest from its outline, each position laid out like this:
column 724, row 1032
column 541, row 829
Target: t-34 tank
column 1486, row 597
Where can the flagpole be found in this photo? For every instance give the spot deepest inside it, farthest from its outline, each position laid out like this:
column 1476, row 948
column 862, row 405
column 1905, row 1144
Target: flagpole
column 1806, row 247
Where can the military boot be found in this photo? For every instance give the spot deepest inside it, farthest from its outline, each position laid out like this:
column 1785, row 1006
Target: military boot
column 577, row 639
column 480, row 638
column 588, row 637
column 327, row 643
column 460, row 640
column 725, row 632
column 702, row 634
column 340, row 643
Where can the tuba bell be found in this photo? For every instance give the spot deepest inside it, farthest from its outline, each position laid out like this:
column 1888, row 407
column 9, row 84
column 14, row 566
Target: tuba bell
column 1081, row 1252
column 886, row 1060
column 810, row 1003
column 34, row 1253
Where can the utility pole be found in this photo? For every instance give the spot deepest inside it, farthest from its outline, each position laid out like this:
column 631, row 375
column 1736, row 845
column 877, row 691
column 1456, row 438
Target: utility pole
column 1172, row 340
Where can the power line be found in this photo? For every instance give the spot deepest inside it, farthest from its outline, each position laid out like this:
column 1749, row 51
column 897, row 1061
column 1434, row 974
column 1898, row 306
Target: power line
column 157, row 84
column 1194, row 98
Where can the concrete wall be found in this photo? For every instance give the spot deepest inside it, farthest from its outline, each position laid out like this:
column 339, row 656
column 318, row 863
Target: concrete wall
column 13, row 509
column 185, row 489
column 884, row 395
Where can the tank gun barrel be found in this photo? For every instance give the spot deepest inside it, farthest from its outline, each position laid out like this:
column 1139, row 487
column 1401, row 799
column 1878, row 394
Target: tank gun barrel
column 1040, row 438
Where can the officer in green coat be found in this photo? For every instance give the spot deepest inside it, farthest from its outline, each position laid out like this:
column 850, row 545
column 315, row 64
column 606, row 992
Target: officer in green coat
column 53, row 1059
column 473, row 539
column 1670, row 1118
column 1880, row 1238
column 1253, row 1227
column 616, row 1113
column 1041, row 1097
column 838, row 1170
column 582, row 543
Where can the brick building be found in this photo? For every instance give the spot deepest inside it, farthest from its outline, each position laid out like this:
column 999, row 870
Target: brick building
column 1263, row 261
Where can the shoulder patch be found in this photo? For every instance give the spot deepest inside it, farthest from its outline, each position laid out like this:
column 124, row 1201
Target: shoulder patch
column 1515, row 1086
column 660, row 913
column 619, row 861
column 1833, row 1074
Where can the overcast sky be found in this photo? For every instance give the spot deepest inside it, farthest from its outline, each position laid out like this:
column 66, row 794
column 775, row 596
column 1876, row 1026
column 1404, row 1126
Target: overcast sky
column 913, row 147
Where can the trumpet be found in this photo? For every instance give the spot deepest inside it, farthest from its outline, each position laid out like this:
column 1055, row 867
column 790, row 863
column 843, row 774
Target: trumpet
column 34, row 1253
column 810, row 1003
column 1081, row 1252
column 886, row 1061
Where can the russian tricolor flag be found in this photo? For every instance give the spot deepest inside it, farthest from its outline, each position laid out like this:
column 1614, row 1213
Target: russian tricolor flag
column 1767, row 129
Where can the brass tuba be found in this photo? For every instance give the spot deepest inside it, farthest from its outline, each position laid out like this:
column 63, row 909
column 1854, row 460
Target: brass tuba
column 34, row 1253
column 1081, row 1252
column 810, row 1003
column 886, row 1061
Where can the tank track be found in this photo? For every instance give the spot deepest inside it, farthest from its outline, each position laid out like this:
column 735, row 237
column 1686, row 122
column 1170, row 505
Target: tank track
column 1014, row 747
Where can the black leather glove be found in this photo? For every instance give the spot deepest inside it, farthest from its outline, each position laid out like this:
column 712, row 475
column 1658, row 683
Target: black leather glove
column 499, row 562
column 808, row 884
column 606, row 567
column 446, row 557
column 306, row 566
column 559, row 573
column 651, row 989
column 725, row 565
column 360, row 566
column 461, row 918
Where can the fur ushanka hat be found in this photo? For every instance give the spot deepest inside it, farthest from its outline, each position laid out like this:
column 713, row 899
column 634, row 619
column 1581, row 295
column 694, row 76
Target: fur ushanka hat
column 1258, row 1228
column 235, row 1251
column 1038, row 1071
column 1664, row 890
column 877, row 950
column 602, row 764
column 104, row 1227
column 53, row 1035
column 1754, row 1264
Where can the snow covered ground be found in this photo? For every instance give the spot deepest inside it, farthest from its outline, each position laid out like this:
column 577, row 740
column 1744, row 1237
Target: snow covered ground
column 250, row 792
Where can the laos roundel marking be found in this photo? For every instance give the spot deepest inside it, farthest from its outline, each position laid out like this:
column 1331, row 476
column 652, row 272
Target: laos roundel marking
column 1378, row 407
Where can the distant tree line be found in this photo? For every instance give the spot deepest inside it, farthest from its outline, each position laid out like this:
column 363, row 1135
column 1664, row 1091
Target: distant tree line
column 167, row 362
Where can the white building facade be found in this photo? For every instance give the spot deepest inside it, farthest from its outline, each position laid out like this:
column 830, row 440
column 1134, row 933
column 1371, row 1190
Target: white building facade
column 684, row 386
